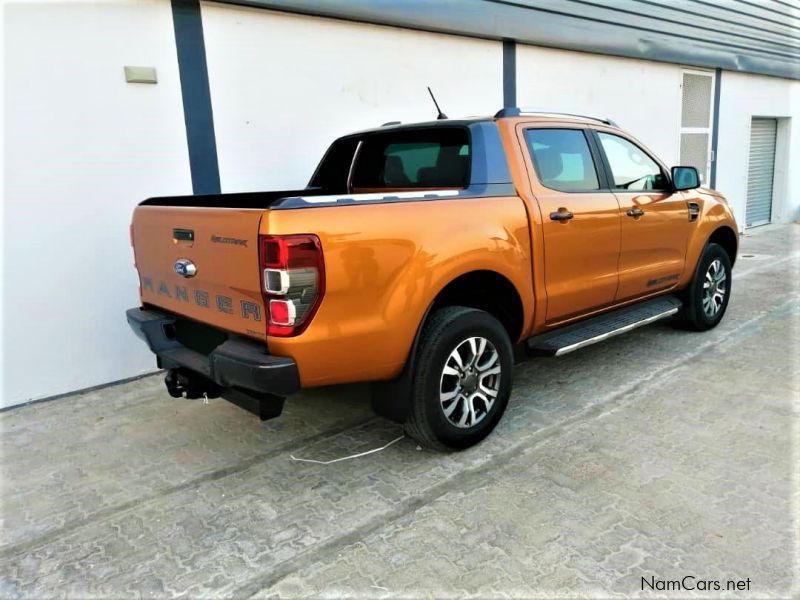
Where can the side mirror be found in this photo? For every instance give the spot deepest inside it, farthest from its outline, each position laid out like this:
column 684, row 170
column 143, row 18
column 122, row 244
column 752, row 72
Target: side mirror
column 685, row 178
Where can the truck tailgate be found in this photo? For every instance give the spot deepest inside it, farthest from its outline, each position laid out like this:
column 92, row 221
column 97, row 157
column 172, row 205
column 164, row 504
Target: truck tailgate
column 202, row 263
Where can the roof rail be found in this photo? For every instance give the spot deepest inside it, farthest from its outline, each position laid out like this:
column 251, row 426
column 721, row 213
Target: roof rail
column 515, row 111
column 388, row 123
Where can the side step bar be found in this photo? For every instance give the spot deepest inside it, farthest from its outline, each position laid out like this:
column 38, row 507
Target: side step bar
column 584, row 333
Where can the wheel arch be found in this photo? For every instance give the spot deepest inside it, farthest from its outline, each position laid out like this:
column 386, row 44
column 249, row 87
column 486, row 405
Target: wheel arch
column 390, row 399
column 485, row 290
column 728, row 239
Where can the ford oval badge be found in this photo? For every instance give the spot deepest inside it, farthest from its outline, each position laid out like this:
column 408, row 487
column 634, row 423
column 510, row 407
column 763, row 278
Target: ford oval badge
column 185, row 268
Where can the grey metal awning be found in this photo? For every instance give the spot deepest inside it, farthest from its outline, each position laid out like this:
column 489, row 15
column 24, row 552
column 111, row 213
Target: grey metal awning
column 751, row 36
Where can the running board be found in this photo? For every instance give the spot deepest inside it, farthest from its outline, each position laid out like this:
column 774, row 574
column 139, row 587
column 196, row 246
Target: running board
column 585, row 333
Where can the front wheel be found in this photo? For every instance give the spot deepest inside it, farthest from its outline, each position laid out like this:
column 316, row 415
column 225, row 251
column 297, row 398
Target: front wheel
column 709, row 292
column 462, row 378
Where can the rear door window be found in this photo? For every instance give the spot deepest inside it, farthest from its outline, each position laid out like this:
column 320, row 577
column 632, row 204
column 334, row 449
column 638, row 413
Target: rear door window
column 426, row 158
column 562, row 159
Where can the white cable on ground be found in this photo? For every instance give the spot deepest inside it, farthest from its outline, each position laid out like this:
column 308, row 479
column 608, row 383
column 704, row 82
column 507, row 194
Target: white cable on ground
column 335, row 460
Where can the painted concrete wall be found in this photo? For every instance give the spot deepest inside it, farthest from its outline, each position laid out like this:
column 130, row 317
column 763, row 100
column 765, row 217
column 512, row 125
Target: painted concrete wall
column 284, row 86
column 742, row 98
column 82, row 148
column 642, row 97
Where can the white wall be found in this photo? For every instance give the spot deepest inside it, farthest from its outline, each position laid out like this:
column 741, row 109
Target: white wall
column 2, row 204
column 284, row 86
column 82, row 148
column 742, row 98
column 642, row 97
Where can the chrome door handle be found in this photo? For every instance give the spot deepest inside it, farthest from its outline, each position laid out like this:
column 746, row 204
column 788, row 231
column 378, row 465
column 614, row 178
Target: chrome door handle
column 561, row 215
column 635, row 212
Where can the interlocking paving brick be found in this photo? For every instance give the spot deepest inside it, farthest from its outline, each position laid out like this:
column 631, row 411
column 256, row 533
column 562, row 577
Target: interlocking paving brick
column 660, row 453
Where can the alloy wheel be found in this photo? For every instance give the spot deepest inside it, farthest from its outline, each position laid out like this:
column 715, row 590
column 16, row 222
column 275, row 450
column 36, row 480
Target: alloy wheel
column 715, row 287
column 470, row 382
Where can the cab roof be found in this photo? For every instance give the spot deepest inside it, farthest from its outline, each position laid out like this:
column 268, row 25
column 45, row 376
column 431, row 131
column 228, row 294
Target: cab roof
column 514, row 113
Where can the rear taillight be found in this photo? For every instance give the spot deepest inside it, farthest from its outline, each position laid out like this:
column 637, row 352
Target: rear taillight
column 293, row 281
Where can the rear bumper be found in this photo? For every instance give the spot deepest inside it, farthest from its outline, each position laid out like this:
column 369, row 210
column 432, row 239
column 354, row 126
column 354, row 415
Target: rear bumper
column 236, row 363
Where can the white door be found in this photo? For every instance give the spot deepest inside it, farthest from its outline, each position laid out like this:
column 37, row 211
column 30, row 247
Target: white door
column 761, row 171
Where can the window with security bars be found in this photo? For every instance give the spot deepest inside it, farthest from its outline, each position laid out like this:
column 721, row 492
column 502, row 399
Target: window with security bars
column 694, row 150
column 696, row 107
column 697, row 94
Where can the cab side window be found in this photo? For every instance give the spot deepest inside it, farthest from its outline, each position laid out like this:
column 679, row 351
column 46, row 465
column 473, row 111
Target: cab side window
column 631, row 168
column 562, row 159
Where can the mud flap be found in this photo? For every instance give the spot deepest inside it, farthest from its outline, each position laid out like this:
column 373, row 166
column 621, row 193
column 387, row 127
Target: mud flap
column 392, row 399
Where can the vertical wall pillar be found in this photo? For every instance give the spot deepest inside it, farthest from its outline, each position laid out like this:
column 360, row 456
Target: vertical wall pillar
column 712, row 178
column 509, row 73
column 196, row 94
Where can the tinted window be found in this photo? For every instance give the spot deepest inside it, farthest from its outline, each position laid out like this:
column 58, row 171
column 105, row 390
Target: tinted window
column 631, row 168
column 427, row 158
column 331, row 174
column 562, row 159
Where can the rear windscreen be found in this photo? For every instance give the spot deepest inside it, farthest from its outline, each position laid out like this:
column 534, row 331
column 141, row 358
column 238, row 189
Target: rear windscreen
column 422, row 158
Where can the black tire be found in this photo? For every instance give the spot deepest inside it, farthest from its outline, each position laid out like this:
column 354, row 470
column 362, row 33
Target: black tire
column 693, row 315
column 445, row 331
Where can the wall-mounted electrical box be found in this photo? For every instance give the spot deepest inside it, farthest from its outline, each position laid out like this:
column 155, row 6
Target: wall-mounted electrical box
column 141, row 75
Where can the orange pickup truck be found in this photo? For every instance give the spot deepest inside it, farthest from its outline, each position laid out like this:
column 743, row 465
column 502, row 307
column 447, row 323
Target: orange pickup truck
column 418, row 256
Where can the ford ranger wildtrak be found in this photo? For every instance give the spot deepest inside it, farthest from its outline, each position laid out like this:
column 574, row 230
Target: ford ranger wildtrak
column 418, row 256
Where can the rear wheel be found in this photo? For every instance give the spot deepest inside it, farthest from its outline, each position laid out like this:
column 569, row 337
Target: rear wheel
column 462, row 378
column 708, row 294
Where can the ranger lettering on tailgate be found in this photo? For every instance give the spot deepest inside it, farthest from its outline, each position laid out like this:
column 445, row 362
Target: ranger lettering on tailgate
column 224, row 304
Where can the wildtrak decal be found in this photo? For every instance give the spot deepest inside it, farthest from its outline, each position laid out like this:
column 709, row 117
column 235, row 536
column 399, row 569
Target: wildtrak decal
column 660, row 280
column 201, row 298
column 228, row 240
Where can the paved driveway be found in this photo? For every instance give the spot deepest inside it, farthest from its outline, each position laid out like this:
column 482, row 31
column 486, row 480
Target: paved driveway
column 658, row 455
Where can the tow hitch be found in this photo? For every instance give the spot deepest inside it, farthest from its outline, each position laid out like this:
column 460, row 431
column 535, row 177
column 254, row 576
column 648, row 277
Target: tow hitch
column 183, row 383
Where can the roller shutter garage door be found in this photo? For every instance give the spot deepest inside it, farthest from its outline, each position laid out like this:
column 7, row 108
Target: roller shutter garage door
column 761, row 171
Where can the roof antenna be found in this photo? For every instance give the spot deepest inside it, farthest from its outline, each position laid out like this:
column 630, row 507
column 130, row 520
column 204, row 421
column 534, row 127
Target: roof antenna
column 441, row 115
